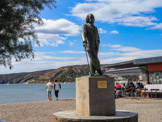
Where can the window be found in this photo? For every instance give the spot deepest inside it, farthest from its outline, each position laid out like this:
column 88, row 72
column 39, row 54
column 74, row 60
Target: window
column 155, row 77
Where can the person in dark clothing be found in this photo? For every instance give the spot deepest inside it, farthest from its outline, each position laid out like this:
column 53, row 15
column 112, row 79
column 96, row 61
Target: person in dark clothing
column 132, row 89
column 141, row 85
column 127, row 88
column 57, row 87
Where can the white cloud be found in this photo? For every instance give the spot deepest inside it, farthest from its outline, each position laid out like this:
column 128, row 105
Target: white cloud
column 127, row 54
column 124, row 12
column 121, row 48
column 108, row 54
column 55, row 32
column 115, row 46
column 143, row 53
column 114, row 32
column 101, row 31
column 53, row 36
column 60, row 26
column 116, row 60
column 72, row 52
column 139, row 21
column 109, row 45
column 46, row 57
column 157, row 26
column 53, row 60
column 50, row 39
column 49, row 42
column 125, row 49
column 71, row 43
column 119, row 53
column 43, row 61
column 58, row 42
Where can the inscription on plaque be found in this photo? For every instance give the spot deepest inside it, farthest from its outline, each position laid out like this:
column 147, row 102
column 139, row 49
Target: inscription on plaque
column 102, row 84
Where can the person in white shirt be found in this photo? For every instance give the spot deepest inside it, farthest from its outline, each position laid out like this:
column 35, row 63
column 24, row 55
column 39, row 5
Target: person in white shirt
column 57, row 87
column 49, row 87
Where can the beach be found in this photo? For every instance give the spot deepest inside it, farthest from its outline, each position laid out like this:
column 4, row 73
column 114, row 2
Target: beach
column 149, row 110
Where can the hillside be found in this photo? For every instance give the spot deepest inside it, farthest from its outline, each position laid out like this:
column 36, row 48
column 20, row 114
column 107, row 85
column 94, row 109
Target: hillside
column 63, row 74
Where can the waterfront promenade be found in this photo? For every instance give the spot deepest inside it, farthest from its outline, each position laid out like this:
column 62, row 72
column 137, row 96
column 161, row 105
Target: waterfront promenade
column 149, row 110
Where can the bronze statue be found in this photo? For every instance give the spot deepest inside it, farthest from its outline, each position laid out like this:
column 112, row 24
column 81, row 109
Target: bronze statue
column 91, row 40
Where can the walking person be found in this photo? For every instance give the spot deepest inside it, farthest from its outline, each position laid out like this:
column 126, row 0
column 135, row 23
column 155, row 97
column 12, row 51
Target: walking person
column 57, row 87
column 49, row 87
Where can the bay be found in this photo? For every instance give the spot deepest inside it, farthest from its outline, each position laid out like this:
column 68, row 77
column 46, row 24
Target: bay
column 16, row 93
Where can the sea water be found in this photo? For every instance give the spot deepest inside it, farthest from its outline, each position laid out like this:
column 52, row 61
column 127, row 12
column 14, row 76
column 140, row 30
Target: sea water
column 15, row 93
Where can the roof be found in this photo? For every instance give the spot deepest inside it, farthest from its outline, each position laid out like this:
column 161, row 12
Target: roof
column 121, row 65
column 148, row 60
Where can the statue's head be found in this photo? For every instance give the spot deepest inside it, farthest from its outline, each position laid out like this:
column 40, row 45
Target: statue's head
column 90, row 18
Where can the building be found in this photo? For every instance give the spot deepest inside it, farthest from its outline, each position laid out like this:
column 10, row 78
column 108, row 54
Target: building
column 149, row 67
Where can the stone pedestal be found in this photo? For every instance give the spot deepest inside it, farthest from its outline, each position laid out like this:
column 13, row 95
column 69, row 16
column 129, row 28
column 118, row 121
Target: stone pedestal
column 95, row 96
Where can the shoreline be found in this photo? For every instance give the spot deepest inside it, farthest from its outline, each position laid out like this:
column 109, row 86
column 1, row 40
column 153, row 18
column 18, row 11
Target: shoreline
column 66, row 99
column 149, row 110
column 37, row 101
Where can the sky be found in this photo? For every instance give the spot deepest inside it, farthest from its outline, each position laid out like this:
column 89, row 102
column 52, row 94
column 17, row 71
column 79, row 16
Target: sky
column 128, row 29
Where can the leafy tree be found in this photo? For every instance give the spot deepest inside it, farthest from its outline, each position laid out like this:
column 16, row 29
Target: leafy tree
column 17, row 20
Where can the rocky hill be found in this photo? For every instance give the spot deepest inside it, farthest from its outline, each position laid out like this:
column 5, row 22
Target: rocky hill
column 63, row 74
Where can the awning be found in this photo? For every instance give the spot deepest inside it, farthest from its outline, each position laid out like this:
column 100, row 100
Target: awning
column 126, row 71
